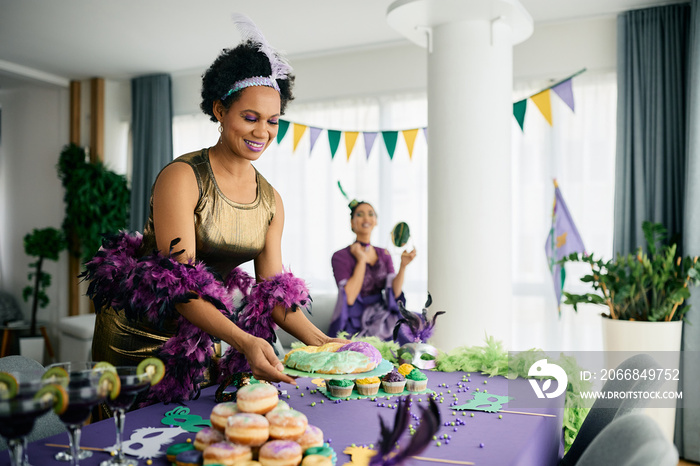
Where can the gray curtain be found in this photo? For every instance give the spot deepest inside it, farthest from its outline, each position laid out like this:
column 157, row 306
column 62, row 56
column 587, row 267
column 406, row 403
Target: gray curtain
column 651, row 122
column 688, row 419
column 151, row 116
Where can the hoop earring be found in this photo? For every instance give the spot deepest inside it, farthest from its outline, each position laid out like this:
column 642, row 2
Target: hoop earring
column 221, row 129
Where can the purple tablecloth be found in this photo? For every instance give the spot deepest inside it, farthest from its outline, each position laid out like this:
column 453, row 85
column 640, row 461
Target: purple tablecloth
column 514, row 439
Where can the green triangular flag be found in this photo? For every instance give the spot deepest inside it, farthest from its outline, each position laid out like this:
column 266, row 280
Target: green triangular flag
column 283, row 126
column 333, row 140
column 390, row 138
column 519, row 112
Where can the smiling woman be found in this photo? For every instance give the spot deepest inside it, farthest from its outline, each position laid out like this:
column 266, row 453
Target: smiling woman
column 169, row 292
column 368, row 287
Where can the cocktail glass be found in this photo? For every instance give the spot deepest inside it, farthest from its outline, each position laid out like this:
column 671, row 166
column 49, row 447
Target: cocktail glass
column 20, row 406
column 82, row 384
column 132, row 384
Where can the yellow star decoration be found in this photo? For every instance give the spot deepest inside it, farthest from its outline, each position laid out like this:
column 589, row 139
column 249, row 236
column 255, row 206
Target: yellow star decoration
column 359, row 456
column 561, row 240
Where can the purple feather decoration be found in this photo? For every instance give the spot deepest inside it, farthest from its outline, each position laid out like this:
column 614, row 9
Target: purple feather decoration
column 388, row 454
column 250, row 32
column 255, row 317
column 150, row 287
column 420, row 327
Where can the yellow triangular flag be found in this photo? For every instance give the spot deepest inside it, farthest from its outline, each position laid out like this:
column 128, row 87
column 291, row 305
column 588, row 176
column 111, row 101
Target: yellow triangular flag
column 298, row 133
column 350, row 138
column 410, row 136
column 544, row 103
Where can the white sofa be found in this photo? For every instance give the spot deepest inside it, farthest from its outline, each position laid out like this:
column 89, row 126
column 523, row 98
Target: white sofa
column 75, row 337
column 321, row 313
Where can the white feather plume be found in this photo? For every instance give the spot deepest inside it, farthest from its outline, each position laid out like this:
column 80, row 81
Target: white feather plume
column 249, row 31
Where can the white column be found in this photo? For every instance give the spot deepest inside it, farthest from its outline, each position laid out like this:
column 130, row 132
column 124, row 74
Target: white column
column 470, row 78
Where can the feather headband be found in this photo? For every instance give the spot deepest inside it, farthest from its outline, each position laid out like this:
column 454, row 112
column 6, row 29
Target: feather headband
column 351, row 203
column 278, row 64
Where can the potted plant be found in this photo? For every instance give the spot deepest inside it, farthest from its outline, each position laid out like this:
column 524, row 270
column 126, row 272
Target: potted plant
column 644, row 296
column 97, row 201
column 44, row 243
column 647, row 286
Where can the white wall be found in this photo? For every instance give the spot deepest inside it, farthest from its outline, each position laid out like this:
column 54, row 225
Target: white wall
column 34, row 129
column 554, row 51
column 35, row 122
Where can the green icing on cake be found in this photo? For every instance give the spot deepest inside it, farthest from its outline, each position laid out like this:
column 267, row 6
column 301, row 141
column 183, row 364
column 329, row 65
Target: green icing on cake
column 174, row 450
column 415, row 374
column 325, row 450
column 340, row 382
column 345, row 362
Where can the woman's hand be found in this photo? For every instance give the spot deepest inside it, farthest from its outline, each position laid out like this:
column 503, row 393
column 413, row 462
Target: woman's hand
column 407, row 257
column 263, row 362
column 359, row 252
column 337, row 340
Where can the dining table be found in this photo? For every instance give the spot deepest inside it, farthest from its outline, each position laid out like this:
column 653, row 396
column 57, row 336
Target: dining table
column 467, row 434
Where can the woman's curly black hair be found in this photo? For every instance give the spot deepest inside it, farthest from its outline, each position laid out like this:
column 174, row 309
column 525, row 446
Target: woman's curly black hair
column 241, row 62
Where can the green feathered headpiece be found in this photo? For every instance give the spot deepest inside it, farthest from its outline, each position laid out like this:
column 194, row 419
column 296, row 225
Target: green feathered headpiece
column 352, row 202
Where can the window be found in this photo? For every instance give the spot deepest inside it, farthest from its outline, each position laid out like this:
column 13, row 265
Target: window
column 578, row 150
column 317, row 218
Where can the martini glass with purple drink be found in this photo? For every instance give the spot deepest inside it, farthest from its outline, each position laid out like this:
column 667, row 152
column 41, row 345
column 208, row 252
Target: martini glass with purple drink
column 86, row 384
column 24, row 397
column 132, row 383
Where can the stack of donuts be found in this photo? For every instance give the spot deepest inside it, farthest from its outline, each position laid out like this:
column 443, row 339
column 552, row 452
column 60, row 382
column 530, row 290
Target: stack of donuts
column 260, row 429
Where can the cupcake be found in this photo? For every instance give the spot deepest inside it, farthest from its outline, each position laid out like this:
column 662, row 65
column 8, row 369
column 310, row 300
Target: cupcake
column 416, row 381
column 368, row 386
column 324, row 451
column 393, row 382
column 405, row 369
column 340, row 388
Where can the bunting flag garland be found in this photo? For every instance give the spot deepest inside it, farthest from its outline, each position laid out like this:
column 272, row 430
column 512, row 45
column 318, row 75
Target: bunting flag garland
column 369, row 141
column 333, row 140
column 542, row 100
column 565, row 92
column 283, row 126
column 544, row 103
column 409, row 136
column 314, row 133
column 390, row 138
column 350, row 138
column 299, row 131
column 519, row 108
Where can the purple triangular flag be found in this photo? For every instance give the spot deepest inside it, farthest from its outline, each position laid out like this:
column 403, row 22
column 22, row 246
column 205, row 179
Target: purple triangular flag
column 565, row 92
column 313, row 134
column 369, row 141
column 425, row 133
column 563, row 239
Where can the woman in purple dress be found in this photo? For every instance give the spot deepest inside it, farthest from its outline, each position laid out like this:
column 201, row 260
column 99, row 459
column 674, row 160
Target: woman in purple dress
column 368, row 286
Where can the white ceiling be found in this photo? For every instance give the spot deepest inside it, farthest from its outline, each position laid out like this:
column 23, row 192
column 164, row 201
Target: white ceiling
column 55, row 41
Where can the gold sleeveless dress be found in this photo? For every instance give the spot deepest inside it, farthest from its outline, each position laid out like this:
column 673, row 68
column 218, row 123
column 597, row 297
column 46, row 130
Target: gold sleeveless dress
column 227, row 235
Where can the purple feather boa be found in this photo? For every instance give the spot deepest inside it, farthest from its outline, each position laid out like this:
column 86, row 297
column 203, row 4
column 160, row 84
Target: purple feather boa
column 151, row 286
column 255, row 317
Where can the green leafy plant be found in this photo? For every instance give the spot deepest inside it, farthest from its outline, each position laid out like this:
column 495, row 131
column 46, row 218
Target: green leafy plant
column 647, row 286
column 97, row 201
column 46, row 243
